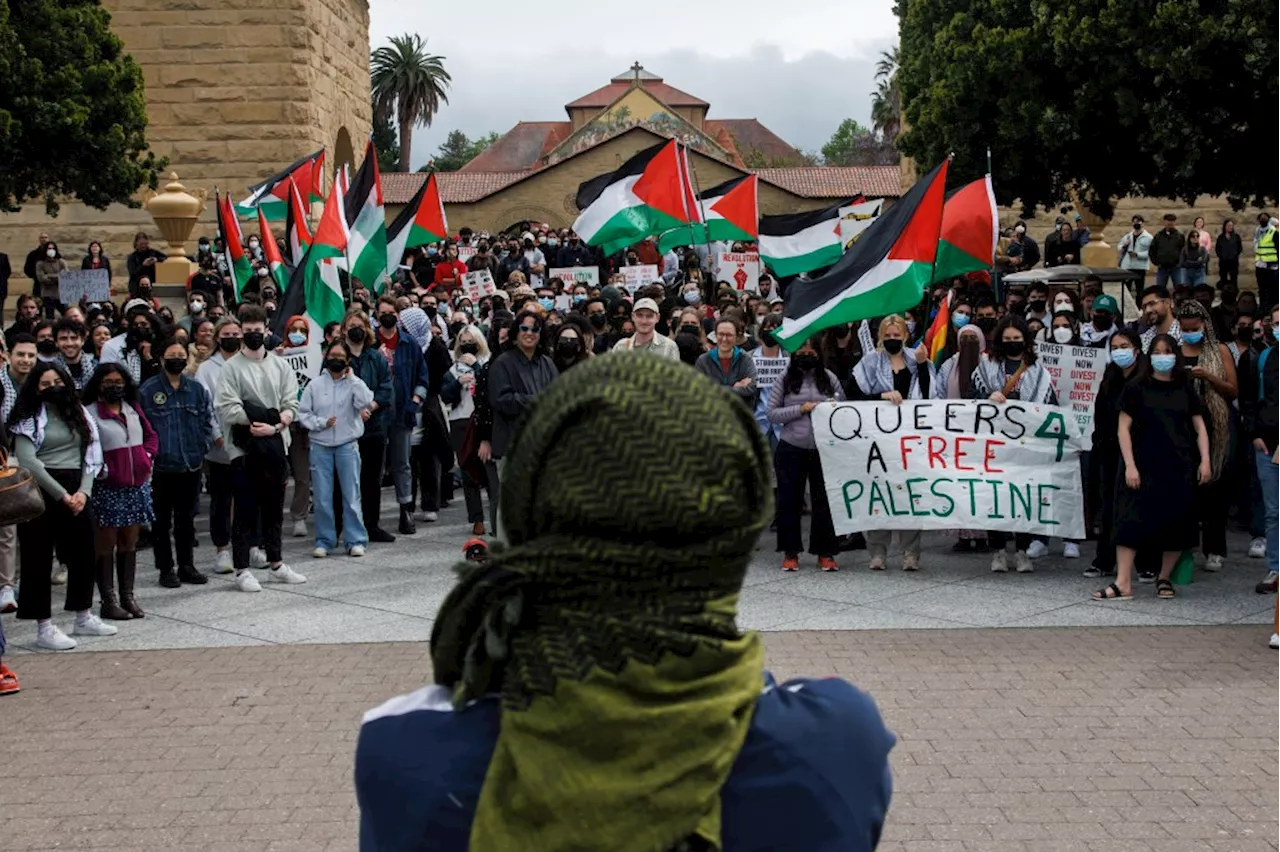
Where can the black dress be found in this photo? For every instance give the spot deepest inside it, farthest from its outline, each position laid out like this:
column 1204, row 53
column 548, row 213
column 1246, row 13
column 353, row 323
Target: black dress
column 1161, row 513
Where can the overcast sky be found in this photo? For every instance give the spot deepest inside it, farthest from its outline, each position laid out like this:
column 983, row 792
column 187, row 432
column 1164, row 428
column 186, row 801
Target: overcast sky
column 801, row 68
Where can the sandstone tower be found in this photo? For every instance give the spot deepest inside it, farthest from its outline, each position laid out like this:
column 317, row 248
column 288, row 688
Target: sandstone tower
column 235, row 92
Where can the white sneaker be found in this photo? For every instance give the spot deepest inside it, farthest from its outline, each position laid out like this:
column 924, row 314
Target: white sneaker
column 285, row 574
column 1258, row 548
column 877, row 563
column 53, row 639
column 1038, row 549
column 1023, row 562
column 8, row 603
column 257, row 557
column 319, row 553
column 999, row 562
column 91, row 625
column 223, row 563
column 1213, row 562
column 428, row 517
column 1070, row 550
column 246, row 582
column 300, row 528
column 60, row 575
column 356, row 550
column 1275, row 640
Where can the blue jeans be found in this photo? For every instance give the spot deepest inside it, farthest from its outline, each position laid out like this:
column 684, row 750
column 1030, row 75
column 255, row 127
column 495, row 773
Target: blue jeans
column 1166, row 277
column 343, row 459
column 1269, row 476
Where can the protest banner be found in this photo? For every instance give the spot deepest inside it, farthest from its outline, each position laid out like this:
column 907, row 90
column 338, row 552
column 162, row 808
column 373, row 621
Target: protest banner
column 305, row 363
column 639, row 276
column 465, row 253
column 93, row 285
column 951, row 464
column 564, row 303
column 570, row 275
column 856, row 218
column 476, row 285
column 1077, row 373
column 740, row 269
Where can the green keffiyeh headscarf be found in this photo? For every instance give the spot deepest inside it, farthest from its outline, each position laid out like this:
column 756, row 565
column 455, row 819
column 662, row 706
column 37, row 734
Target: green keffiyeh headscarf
column 632, row 500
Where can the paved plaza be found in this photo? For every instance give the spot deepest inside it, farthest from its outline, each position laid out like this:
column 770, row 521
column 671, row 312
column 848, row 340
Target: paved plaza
column 1056, row 725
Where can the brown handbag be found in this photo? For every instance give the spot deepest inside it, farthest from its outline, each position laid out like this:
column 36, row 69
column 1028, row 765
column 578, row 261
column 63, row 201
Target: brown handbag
column 20, row 495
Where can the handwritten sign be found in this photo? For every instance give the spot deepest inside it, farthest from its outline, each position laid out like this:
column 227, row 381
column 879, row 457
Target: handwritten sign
column 478, row 284
column 1077, row 374
column 948, row 464
column 856, row 218
column 635, row 277
column 93, row 285
column 740, row 269
column 571, row 275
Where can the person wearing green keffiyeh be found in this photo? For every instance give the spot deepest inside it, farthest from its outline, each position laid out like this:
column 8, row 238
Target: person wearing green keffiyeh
column 592, row 688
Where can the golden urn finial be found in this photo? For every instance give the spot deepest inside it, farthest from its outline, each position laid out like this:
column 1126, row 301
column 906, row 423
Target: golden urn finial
column 175, row 211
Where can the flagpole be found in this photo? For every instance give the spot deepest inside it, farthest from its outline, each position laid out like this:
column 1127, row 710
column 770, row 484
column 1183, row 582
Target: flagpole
column 995, row 273
column 709, row 296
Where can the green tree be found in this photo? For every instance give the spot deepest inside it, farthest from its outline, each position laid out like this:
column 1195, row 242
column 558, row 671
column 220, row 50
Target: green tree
column 410, row 84
column 1098, row 98
column 855, row 145
column 886, row 103
column 385, row 143
column 457, row 150
column 72, row 112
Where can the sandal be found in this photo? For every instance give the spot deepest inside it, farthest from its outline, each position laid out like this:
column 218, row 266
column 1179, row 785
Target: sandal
column 1164, row 589
column 1111, row 593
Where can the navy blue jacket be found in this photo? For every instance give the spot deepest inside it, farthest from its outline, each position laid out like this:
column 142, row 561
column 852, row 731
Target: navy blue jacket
column 812, row 776
column 372, row 369
column 408, row 378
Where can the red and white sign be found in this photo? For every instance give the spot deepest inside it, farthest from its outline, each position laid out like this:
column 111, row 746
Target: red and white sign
column 1077, row 374
column 478, row 284
column 741, row 269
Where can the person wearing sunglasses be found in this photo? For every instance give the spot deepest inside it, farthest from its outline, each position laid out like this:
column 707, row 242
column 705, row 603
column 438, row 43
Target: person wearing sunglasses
column 517, row 375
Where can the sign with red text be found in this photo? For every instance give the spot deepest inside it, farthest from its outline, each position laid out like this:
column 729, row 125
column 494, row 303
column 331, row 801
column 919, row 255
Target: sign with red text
column 951, row 464
column 465, row 253
column 635, row 277
column 476, row 285
column 1077, row 373
column 740, row 269
column 571, row 275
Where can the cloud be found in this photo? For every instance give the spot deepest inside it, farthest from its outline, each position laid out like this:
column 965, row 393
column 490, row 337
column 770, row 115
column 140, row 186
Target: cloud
column 800, row 74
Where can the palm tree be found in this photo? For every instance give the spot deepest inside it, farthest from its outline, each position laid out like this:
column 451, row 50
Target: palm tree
column 886, row 103
column 407, row 83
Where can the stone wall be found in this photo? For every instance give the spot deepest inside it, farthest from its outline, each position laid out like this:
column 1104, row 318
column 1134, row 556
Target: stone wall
column 236, row 90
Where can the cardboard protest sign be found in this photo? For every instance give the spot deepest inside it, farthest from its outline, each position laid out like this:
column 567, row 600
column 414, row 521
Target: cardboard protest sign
column 93, row 285
column 1077, row 373
column 476, row 285
column 951, row 464
column 740, row 269
column 570, row 275
column 856, row 218
column 305, row 362
column 639, row 276
column 564, row 303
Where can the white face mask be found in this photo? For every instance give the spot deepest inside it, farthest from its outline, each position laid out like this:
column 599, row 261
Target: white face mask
column 1062, row 335
column 1019, row 230
column 197, row 307
column 51, row 253
column 1063, row 305
column 263, row 272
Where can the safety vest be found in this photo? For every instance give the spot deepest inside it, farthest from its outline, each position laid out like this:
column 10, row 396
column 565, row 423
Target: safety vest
column 1267, row 247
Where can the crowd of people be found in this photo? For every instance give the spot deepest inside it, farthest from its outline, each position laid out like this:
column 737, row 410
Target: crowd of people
column 131, row 417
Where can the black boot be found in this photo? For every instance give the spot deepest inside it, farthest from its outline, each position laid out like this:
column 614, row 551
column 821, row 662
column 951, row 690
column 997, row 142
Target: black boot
column 127, row 569
column 189, row 574
column 111, row 609
column 406, row 520
column 381, row 536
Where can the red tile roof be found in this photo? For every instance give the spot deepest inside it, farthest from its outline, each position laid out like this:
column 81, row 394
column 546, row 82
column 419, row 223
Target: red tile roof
column 836, row 181
column 605, row 95
column 455, row 187
column 521, row 147
column 749, row 135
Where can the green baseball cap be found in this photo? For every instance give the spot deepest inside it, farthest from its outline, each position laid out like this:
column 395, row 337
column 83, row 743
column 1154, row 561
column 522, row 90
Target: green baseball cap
column 1106, row 303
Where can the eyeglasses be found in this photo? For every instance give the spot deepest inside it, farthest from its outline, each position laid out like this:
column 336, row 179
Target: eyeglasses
column 530, row 329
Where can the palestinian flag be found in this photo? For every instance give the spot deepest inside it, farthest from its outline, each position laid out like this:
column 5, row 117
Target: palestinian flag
column 232, row 242
column 885, row 272
column 729, row 212
column 314, row 290
column 272, row 194
column 648, row 195
column 935, row 339
column 366, row 219
column 970, row 231
column 297, row 236
column 271, row 253
column 420, row 222
column 802, row 242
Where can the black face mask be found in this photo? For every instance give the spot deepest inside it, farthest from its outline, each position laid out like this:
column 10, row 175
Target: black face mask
column 1036, row 305
column 1012, row 348
column 893, row 347
column 335, row 365
column 429, row 310
column 987, row 324
column 387, row 321
column 456, row 328
column 138, row 334
column 809, row 362
column 1244, row 334
column 229, row 344
column 174, row 366
column 253, row 340
column 112, row 393
column 567, row 348
column 691, row 329
column 598, row 321
column 55, row 395
column 767, row 338
column 469, row 349
column 1102, row 322
column 46, row 347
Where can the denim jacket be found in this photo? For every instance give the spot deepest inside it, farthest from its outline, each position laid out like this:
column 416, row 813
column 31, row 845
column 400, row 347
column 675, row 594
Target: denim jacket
column 183, row 418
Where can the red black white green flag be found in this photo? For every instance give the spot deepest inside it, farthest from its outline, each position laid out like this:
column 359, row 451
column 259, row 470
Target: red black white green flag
column 970, row 231
column 421, row 222
column 885, row 272
column 648, row 195
column 272, row 194
column 730, row 213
